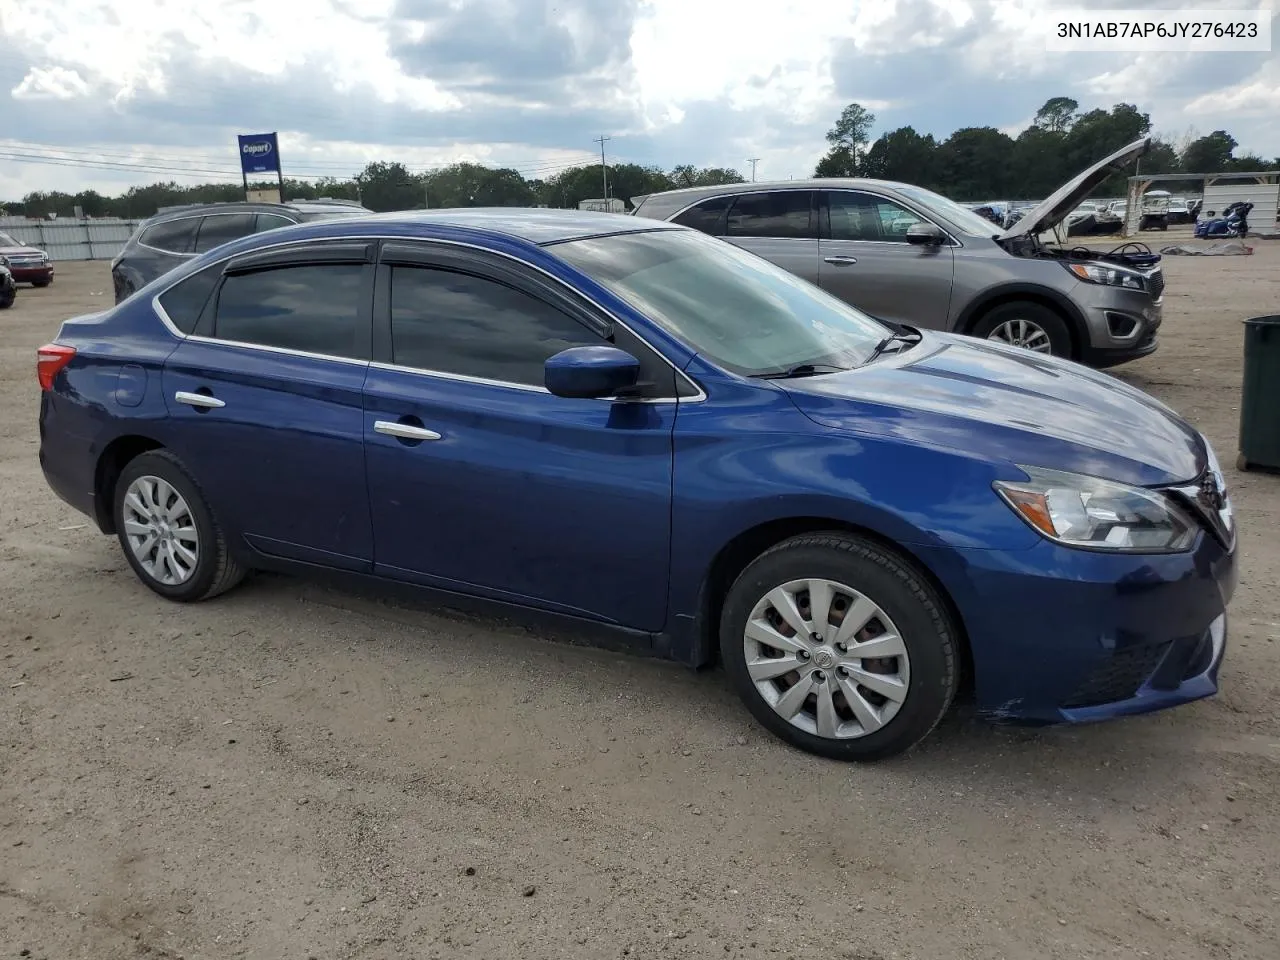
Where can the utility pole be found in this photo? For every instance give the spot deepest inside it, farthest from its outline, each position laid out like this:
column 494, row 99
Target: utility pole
column 753, row 161
column 604, row 171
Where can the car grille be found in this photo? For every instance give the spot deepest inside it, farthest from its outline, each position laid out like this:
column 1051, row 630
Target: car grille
column 25, row 260
column 1119, row 677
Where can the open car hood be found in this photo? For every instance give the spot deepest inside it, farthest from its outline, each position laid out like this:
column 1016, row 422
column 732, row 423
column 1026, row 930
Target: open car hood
column 1070, row 195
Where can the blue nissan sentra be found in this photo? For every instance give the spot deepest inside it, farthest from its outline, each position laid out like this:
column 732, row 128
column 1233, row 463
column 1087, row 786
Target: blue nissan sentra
column 634, row 425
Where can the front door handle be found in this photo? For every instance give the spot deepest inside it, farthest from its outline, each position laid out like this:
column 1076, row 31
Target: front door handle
column 404, row 431
column 204, row 401
column 839, row 261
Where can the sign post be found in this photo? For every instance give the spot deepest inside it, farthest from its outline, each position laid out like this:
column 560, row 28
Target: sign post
column 260, row 153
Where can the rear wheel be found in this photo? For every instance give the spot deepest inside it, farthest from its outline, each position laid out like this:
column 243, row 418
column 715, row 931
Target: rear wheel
column 8, row 294
column 839, row 648
column 1022, row 323
column 168, row 532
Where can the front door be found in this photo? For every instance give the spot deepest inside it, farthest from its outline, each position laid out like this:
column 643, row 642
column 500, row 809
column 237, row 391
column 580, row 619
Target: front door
column 864, row 259
column 483, row 482
column 266, row 409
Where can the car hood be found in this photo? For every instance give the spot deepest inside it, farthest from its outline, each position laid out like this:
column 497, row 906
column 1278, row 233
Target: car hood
column 1004, row 403
column 1051, row 212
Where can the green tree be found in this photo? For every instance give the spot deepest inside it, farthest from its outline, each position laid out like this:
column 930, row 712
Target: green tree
column 687, row 175
column 1209, row 154
column 975, row 163
column 847, row 139
column 389, row 186
column 1057, row 114
column 904, row 155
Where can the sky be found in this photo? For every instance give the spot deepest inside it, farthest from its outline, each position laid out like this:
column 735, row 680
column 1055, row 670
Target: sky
column 127, row 93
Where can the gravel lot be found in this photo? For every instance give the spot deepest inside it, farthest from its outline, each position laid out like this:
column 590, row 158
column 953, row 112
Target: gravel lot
column 293, row 772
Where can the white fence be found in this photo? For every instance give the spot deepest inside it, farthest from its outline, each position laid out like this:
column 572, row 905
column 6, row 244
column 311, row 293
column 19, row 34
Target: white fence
column 71, row 239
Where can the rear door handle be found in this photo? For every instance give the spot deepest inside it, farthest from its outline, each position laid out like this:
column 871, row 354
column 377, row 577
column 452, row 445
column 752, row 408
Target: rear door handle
column 202, row 400
column 404, row 431
column 839, row 261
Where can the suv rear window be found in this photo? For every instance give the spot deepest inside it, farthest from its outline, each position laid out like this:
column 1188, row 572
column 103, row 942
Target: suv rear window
column 219, row 228
column 172, row 236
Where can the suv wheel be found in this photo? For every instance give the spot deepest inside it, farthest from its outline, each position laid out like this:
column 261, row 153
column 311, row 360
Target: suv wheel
column 839, row 648
column 1031, row 326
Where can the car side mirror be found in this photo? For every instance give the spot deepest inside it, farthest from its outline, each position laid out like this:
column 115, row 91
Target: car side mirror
column 925, row 234
column 590, row 373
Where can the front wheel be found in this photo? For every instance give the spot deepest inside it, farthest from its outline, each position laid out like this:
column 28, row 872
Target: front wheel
column 7, row 296
column 1025, row 324
column 168, row 532
column 839, row 647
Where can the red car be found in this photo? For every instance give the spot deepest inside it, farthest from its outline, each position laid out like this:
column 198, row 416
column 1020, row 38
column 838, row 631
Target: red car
column 27, row 264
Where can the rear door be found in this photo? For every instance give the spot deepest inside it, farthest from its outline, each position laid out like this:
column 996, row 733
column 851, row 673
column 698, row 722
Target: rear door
column 779, row 225
column 865, row 260
column 266, row 399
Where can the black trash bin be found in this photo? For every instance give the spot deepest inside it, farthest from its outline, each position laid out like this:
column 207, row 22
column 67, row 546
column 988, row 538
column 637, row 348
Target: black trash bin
column 1260, row 398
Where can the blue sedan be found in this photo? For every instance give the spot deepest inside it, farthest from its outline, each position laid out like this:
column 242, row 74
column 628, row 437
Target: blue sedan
column 634, row 425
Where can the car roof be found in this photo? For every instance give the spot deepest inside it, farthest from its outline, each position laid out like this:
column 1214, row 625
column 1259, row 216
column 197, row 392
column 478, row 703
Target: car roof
column 249, row 206
column 757, row 185
column 539, row 225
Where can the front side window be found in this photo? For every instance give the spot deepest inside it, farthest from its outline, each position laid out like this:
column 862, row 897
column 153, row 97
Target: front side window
column 311, row 308
column 172, row 236
column 783, row 214
column 223, row 228
column 735, row 308
column 462, row 324
column 863, row 216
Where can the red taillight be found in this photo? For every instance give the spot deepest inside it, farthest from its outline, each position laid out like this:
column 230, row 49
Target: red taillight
column 51, row 358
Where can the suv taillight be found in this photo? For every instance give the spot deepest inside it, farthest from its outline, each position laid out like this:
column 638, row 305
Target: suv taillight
column 51, row 358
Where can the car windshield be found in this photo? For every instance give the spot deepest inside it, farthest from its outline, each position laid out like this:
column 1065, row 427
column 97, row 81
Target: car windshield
column 8, row 241
column 964, row 218
column 736, row 309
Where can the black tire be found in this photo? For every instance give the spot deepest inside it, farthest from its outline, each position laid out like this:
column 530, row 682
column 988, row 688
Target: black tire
column 929, row 635
column 216, row 570
column 1047, row 320
column 7, row 298
column 41, row 283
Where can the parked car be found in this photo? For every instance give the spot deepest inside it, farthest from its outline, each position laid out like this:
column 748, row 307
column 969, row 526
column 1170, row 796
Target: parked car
column 1155, row 210
column 28, row 264
column 172, row 236
column 636, row 426
column 951, row 270
column 1179, row 211
column 8, row 289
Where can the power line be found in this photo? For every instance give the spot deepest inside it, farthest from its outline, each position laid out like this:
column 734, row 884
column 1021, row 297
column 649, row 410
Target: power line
column 753, row 161
column 604, row 171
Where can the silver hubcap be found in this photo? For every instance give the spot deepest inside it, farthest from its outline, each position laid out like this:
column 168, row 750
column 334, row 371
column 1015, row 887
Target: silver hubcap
column 826, row 658
column 160, row 530
column 1023, row 333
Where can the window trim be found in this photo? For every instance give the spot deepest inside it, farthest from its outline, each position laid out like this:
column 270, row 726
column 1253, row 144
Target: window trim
column 698, row 396
column 815, row 228
column 824, row 218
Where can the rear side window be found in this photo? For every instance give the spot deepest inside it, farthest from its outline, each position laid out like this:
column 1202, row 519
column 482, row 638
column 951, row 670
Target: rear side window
column 270, row 221
column 457, row 323
column 784, row 214
column 312, row 308
column 223, row 228
column 184, row 302
column 172, row 236
column 707, row 216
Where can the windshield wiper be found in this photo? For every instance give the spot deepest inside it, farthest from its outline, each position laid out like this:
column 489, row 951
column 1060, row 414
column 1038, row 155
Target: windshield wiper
column 887, row 342
column 800, row 370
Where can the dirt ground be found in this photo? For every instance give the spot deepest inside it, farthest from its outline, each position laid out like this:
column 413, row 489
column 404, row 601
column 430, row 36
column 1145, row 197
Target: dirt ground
column 294, row 772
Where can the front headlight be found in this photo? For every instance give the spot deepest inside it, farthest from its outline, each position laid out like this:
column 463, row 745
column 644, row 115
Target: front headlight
column 1109, row 276
column 1080, row 511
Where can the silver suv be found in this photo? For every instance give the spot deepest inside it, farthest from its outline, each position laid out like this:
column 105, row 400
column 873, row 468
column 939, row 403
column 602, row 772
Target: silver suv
column 909, row 256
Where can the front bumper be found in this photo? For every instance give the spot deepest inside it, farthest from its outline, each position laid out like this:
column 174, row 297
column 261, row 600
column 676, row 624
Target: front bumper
column 1122, row 326
column 1069, row 636
column 29, row 273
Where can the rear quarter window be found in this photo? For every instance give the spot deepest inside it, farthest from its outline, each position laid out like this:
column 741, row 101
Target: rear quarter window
column 185, row 301
column 707, row 216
